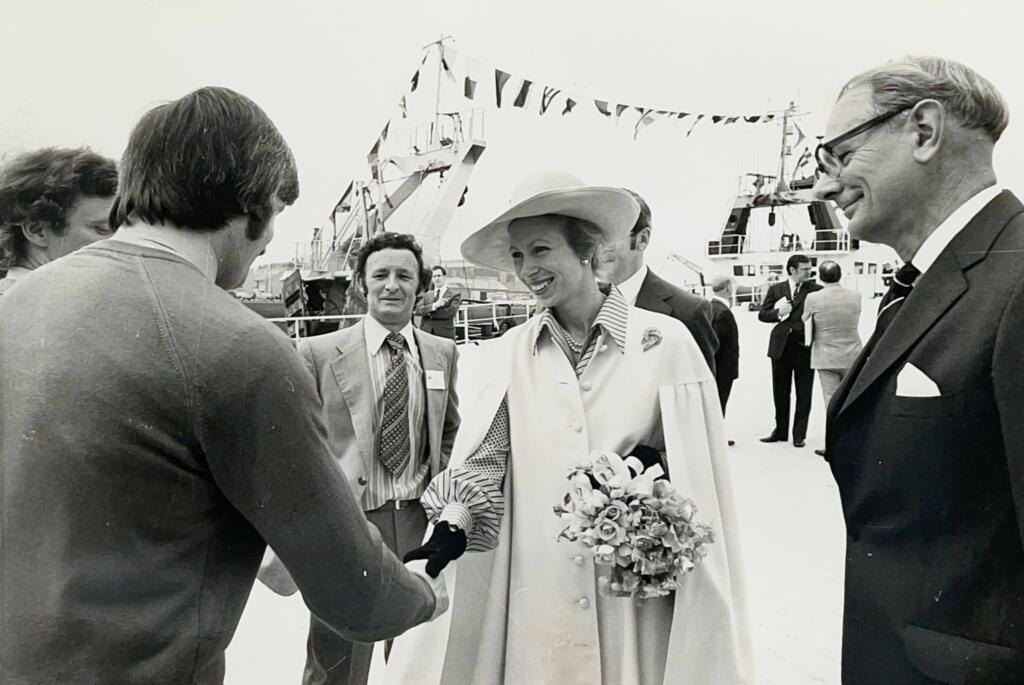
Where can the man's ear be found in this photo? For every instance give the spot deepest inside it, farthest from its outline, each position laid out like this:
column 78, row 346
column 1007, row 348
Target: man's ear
column 641, row 239
column 927, row 122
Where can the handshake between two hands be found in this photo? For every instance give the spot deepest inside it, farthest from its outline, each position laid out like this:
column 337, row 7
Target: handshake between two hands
column 448, row 542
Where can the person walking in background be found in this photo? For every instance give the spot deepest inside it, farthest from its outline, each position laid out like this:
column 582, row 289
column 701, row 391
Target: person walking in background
column 52, row 202
column 438, row 307
column 723, row 321
column 831, row 316
column 783, row 305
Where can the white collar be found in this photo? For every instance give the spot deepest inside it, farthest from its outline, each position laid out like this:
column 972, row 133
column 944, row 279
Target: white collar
column 192, row 246
column 630, row 288
column 942, row 236
column 375, row 333
column 792, row 285
column 16, row 272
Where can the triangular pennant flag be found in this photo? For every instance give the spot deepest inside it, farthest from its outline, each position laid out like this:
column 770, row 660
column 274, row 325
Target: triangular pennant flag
column 645, row 119
column 731, row 120
column 698, row 120
column 569, row 104
column 602, row 107
column 767, row 118
column 402, row 106
column 384, row 131
column 752, row 120
column 524, row 93
column 424, row 60
column 469, row 89
column 682, row 115
column 800, row 133
column 619, row 109
column 500, row 79
column 415, row 81
column 546, row 98
column 447, row 57
column 716, row 118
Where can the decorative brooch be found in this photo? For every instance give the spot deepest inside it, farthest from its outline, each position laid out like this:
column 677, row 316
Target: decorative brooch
column 652, row 337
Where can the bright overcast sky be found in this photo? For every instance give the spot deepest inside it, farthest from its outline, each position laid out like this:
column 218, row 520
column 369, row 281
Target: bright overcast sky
column 330, row 75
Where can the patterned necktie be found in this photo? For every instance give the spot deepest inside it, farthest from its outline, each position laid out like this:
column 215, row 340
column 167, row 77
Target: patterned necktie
column 394, row 425
column 902, row 284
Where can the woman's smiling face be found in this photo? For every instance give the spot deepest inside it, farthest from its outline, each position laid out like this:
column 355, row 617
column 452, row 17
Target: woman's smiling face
column 545, row 262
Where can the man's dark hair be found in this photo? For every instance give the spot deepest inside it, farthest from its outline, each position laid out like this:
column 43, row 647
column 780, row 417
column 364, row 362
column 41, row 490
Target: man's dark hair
column 830, row 272
column 795, row 261
column 643, row 221
column 41, row 188
column 438, row 267
column 394, row 241
column 203, row 160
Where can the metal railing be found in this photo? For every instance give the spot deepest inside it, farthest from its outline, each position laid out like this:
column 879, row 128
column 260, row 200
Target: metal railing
column 737, row 244
column 499, row 317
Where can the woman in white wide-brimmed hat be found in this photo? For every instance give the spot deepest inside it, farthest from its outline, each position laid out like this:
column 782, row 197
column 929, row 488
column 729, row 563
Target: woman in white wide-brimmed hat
column 589, row 372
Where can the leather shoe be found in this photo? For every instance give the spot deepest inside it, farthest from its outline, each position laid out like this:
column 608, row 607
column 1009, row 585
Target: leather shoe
column 773, row 438
column 799, row 443
column 820, row 453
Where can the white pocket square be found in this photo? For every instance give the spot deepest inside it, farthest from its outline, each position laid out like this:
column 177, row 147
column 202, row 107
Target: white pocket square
column 912, row 382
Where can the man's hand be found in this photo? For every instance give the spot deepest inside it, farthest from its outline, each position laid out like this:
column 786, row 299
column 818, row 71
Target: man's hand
column 437, row 585
column 784, row 307
column 446, row 543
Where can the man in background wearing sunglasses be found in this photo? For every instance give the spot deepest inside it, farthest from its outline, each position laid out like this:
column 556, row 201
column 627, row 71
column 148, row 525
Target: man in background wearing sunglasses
column 925, row 437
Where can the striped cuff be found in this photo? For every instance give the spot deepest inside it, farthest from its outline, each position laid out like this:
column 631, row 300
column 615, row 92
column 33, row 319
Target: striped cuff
column 458, row 514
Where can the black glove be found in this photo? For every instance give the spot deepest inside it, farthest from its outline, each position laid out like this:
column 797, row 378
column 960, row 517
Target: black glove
column 446, row 543
column 649, row 456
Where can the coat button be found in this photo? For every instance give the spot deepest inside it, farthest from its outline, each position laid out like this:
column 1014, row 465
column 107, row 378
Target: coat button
column 362, row 480
column 578, row 560
column 578, row 427
column 585, row 385
column 584, row 603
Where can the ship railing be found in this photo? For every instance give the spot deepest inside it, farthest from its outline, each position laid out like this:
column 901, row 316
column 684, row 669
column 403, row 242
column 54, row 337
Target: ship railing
column 484, row 320
column 473, row 322
column 823, row 241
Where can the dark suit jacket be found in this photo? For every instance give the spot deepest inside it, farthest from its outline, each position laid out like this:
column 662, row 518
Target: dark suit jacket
column 933, row 487
column 658, row 295
column 727, row 358
column 440, row 321
column 793, row 323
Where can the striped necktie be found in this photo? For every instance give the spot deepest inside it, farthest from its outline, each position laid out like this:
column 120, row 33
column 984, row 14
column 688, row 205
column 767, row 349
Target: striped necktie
column 394, row 427
column 899, row 290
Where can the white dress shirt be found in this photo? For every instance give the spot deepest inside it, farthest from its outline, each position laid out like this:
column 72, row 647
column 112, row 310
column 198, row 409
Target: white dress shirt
column 942, row 236
column 382, row 485
column 630, row 287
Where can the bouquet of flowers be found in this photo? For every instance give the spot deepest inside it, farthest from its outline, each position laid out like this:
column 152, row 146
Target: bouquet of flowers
column 633, row 523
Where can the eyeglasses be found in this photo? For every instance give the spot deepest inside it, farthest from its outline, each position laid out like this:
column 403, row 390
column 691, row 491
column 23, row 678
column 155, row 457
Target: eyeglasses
column 829, row 163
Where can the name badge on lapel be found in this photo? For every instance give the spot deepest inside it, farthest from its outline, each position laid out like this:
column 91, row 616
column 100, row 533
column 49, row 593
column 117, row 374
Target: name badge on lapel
column 435, row 380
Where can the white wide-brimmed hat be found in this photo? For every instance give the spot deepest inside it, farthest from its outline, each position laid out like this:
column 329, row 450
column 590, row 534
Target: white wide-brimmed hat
column 612, row 210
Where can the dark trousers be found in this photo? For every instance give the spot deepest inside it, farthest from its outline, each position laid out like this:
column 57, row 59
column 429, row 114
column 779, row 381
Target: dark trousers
column 330, row 658
column 724, row 388
column 794, row 367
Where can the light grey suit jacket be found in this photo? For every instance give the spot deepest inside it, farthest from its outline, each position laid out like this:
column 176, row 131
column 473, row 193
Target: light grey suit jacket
column 339, row 364
column 835, row 312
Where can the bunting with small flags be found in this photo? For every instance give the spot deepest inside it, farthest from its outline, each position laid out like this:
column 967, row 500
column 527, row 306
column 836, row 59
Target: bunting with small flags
column 469, row 73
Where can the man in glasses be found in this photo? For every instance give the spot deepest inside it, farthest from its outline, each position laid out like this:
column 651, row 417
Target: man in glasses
column 924, row 435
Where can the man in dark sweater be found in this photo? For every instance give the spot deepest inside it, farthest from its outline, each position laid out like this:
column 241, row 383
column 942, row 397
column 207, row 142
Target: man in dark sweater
column 157, row 435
